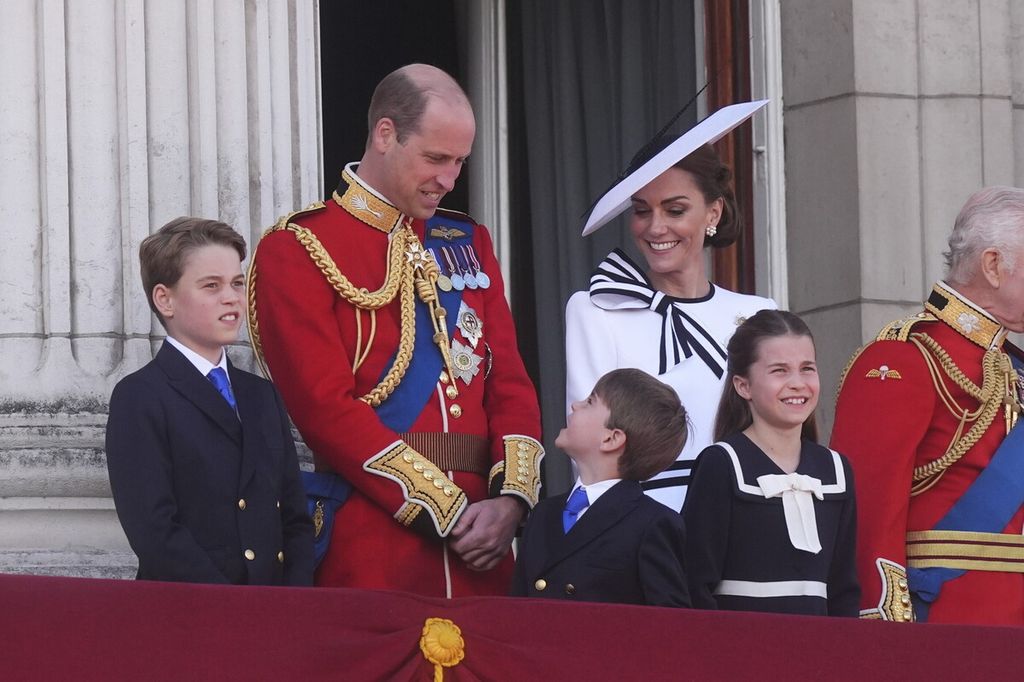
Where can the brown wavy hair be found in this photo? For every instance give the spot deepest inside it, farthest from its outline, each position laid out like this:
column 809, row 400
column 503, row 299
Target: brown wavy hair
column 162, row 254
column 733, row 410
column 714, row 180
column 648, row 411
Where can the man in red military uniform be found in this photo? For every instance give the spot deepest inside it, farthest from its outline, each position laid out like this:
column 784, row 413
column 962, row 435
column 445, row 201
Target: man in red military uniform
column 926, row 415
column 386, row 329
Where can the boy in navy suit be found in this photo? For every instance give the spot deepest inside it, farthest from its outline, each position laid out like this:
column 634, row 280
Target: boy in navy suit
column 202, row 465
column 607, row 541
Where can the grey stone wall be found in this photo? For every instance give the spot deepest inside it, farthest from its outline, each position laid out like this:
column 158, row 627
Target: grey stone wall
column 119, row 116
column 895, row 112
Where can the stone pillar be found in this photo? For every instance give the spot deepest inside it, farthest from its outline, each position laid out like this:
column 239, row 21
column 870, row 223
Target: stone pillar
column 119, row 115
column 895, row 112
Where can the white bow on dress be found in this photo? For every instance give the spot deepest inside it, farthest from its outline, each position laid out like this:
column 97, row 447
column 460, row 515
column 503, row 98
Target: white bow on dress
column 796, row 491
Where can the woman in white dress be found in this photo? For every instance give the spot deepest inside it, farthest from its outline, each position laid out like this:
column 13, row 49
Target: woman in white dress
column 667, row 318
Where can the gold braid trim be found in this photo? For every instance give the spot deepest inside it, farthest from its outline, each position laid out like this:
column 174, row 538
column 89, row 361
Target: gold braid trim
column 894, row 602
column 846, row 370
column 523, row 456
column 359, row 296
column 897, row 330
column 410, row 272
column 398, row 280
column 423, row 483
column 251, row 319
column 990, row 395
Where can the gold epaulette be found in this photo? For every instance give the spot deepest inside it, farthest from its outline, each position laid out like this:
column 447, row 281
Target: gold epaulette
column 251, row 319
column 899, row 330
column 283, row 221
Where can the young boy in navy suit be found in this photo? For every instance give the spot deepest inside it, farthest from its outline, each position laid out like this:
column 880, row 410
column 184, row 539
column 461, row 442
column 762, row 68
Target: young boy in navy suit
column 202, row 465
column 607, row 541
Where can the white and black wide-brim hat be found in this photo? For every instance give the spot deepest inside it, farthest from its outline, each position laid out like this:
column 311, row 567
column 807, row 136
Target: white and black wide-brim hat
column 708, row 131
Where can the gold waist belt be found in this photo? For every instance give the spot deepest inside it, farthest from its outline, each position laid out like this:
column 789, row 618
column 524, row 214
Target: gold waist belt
column 446, row 451
column 965, row 550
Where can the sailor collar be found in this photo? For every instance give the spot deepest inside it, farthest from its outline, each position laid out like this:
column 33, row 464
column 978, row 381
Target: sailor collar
column 366, row 204
column 971, row 321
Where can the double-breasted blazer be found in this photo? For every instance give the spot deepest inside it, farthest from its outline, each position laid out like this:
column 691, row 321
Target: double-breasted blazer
column 205, row 494
column 626, row 548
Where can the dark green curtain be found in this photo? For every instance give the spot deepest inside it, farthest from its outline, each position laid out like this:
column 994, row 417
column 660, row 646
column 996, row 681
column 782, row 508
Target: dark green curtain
column 590, row 81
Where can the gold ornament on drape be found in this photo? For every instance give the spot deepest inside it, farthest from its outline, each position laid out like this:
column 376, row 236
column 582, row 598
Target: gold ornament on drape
column 442, row 645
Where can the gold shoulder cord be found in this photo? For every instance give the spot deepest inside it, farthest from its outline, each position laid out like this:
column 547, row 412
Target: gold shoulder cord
column 410, row 271
column 997, row 388
column 897, row 330
column 846, row 370
column 251, row 320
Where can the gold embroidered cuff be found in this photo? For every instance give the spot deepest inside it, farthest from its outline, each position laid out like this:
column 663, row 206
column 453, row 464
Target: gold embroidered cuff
column 521, row 468
column 497, row 474
column 894, row 602
column 407, row 513
column 422, row 485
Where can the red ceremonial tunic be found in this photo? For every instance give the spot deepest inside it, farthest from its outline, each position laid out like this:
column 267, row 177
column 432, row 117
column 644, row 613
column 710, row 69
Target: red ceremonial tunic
column 891, row 417
column 390, row 533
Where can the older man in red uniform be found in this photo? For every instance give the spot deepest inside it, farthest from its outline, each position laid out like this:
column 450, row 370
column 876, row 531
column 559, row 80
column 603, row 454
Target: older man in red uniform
column 926, row 415
column 386, row 329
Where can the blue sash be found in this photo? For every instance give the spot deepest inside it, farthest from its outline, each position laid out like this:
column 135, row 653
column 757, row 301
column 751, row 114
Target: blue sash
column 986, row 507
column 329, row 491
column 400, row 411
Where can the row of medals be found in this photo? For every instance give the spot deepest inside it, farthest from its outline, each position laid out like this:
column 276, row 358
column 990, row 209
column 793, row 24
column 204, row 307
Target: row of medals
column 455, row 274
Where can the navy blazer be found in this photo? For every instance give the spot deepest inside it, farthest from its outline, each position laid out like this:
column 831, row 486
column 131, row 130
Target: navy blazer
column 203, row 494
column 626, row 548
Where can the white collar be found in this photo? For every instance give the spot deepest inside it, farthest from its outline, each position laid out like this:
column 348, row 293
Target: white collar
column 198, row 361
column 351, row 168
column 595, row 490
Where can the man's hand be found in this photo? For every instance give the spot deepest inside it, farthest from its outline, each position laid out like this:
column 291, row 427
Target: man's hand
column 483, row 534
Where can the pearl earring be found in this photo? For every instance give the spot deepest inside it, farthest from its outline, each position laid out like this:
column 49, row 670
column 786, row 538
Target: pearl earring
column 711, row 230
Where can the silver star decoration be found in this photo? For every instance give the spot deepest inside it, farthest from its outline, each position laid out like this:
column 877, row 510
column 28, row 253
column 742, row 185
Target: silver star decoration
column 466, row 363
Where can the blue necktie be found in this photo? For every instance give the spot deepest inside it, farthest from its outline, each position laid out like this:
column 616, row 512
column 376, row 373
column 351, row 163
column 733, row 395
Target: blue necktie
column 576, row 503
column 219, row 378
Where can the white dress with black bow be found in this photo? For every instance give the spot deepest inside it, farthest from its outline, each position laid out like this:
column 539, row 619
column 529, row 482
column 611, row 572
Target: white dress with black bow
column 622, row 321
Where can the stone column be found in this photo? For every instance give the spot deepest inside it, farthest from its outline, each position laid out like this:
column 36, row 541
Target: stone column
column 895, row 112
column 119, row 115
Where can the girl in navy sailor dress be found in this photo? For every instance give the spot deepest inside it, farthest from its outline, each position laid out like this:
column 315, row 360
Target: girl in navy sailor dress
column 770, row 515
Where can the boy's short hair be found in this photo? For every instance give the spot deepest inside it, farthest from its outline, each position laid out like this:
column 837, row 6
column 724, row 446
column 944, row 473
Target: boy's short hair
column 648, row 411
column 162, row 254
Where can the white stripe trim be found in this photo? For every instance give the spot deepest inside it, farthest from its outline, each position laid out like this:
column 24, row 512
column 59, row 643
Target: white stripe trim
column 838, row 487
column 779, row 588
column 840, row 484
column 444, row 406
column 446, row 560
column 740, row 483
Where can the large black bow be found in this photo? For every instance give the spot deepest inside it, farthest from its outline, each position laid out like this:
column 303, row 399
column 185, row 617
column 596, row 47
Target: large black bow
column 618, row 284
